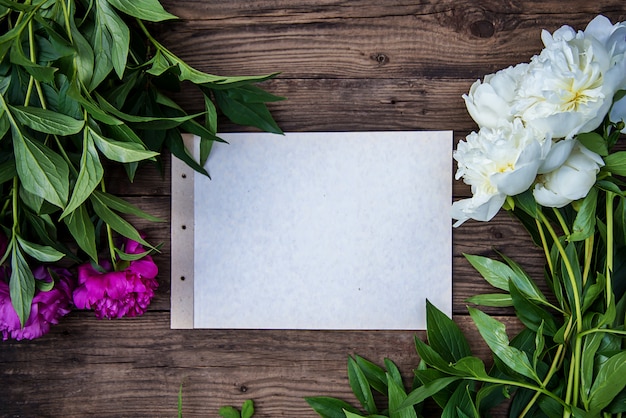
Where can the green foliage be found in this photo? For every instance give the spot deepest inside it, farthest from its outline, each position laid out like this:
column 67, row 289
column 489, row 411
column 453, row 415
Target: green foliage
column 84, row 86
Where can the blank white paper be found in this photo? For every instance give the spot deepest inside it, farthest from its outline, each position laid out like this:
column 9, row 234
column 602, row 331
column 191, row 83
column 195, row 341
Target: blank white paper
column 341, row 230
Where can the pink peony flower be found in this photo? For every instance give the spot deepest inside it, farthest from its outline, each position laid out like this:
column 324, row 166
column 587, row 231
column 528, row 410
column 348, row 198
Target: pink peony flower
column 47, row 307
column 114, row 294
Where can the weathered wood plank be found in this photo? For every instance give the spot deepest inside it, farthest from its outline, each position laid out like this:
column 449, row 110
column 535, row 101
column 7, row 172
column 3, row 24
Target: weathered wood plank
column 341, row 40
column 133, row 367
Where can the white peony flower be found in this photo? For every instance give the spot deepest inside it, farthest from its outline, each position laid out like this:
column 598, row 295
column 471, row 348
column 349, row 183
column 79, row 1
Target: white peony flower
column 495, row 163
column 489, row 102
column 571, row 181
column 569, row 86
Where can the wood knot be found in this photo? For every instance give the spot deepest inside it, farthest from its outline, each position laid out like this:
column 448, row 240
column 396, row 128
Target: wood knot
column 482, row 29
column 380, row 58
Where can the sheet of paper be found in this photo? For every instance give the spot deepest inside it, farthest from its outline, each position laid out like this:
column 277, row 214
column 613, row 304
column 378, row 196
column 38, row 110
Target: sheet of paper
column 341, row 230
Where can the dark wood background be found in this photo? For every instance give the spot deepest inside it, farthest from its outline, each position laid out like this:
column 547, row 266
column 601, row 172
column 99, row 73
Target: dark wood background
column 345, row 66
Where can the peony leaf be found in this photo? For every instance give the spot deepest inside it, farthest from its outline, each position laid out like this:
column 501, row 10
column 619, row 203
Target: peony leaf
column 47, row 121
column 585, row 222
column 495, row 300
column 39, row 72
column 360, row 387
column 89, row 177
column 120, row 205
column 41, row 171
column 328, row 407
column 123, row 152
column 42, row 253
column 150, row 10
column 426, row 391
column 117, row 223
column 21, row 284
column 375, row 374
column 445, row 336
column 7, row 171
column 609, row 382
column 397, row 396
column 595, row 142
column 83, row 231
column 120, row 35
column 616, row 163
column 242, row 112
column 494, row 334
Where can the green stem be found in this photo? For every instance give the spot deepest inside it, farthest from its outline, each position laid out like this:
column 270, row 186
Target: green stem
column 609, row 246
column 562, row 222
column 570, row 271
column 66, row 16
column 544, row 243
column 554, row 366
column 573, row 382
column 109, row 233
column 588, row 257
column 538, row 389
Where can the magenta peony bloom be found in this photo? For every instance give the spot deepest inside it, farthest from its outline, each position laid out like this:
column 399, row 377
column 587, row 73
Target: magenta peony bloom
column 46, row 308
column 114, row 294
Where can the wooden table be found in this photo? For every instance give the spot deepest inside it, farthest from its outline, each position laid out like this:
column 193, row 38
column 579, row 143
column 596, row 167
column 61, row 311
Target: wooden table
column 345, row 65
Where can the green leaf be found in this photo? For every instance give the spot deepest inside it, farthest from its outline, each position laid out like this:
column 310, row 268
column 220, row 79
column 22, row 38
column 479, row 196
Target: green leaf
column 531, row 314
column 360, row 387
column 397, row 396
column 247, row 409
column 459, row 403
column 588, row 360
column 120, row 205
column 39, row 72
column 146, row 122
column 119, row 32
column 47, row 121
column 42, row 171
column 327, row 407
column 494, row 334
column 123, row 152
column 89, row 177
column 498, row 300
column 80, row 226
column 616, row 163
column 585, row 222
column 42, row 253
column 426, row 391
column 526, row 202
column 117, row 223
column 609, row 382
column 84, row 57
column 445, row 336
column 229, row 412
column 433, row 358
column 150, row 10
column 175, row 144
column 244, row 113
column 375, row 375
column 21, row 284
column 7, row 171
column 594, row 142
column 393, row 372
column 524, row 282
column 471, row 367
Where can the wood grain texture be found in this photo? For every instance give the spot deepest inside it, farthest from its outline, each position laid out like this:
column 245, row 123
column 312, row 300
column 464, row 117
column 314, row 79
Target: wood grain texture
column 345, row 65
column 133, row 367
